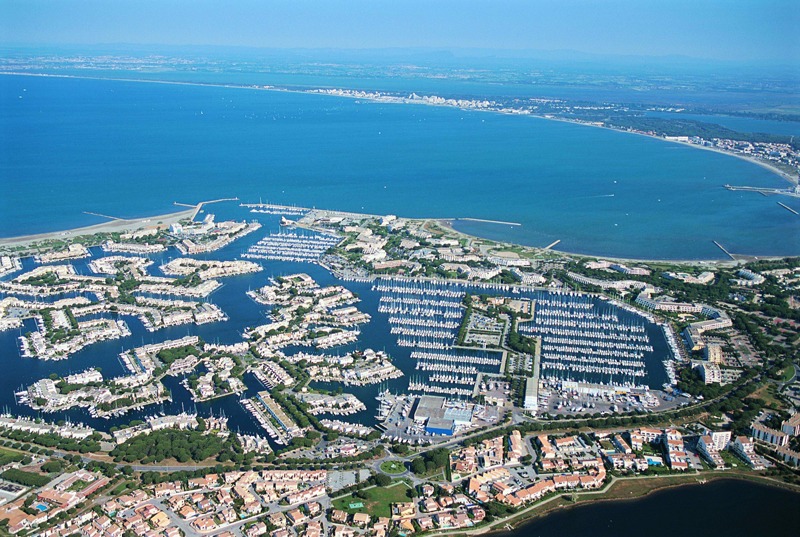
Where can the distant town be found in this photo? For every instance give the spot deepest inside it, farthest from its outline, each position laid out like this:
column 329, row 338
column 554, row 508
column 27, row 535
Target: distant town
column 535, row 379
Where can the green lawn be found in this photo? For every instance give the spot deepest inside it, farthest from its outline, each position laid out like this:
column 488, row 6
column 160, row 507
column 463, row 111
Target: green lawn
column 378, row 501
column 7, row 456
column 732, row 460
column 788, row 373
column 392, row 467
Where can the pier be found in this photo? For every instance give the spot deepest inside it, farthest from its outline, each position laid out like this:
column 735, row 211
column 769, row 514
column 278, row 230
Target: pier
column 552, row 245
column 724, row 250
column 788, row 208
column 490, row 221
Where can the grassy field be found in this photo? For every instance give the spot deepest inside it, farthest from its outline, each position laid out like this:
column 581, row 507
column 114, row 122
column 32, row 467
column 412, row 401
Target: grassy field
column 378, row 501
column 767, row 394
column 7, row 456
column 392, row 467
column 788, row 373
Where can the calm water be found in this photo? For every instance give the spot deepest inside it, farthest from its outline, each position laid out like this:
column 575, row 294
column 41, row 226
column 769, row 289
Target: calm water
column 242, row 313
column 728, row 507
column 131, row 149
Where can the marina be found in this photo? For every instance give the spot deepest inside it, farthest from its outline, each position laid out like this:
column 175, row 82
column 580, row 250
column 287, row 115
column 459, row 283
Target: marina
column 296, row 246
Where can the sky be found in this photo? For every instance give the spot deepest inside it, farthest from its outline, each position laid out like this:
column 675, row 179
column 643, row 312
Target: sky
column 749, row 30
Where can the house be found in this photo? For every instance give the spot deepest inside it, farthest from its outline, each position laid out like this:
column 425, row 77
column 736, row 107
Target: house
column 444, row 520
column 338, row 517
column 296, row 517
column 278, row 520
column 313, row 508
column 160, row 520
column 256, row 530
column 187, row 511
column 403, row 509
column 343, row 531
column 166, row 489
column 425, row 523
column 430, row 505
column 361, row 519
column 313, row 529
column 228, row 515
column 204, row 524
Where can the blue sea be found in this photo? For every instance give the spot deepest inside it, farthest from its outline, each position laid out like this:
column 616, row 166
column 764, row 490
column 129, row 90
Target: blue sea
column 130, row 149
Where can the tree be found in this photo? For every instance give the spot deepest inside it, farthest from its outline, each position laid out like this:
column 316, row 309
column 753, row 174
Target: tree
column 418, row 466
column 383, row 480
column 52, row 466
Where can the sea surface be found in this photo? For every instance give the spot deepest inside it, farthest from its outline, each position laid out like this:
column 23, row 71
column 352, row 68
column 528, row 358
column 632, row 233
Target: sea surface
column 128, row 149
column 725, row 507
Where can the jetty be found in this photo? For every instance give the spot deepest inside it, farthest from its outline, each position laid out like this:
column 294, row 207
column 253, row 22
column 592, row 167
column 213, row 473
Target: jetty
column 791, row 191
column 724, row 250
column 490, row 221
column 788, row 208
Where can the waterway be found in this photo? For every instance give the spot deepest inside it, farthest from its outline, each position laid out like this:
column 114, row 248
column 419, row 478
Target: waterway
column 724, row 507
column 243, row 313
column 130, row 149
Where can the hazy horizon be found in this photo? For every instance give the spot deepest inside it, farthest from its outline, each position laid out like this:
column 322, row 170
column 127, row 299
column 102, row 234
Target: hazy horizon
column 712, row 30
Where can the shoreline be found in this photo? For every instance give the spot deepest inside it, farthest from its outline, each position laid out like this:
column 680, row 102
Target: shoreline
column 520, row 520
column 165, row 220
column 656, row 490
column 722, row 261
column 444, row 222
column 112, row 226
column 401, row 100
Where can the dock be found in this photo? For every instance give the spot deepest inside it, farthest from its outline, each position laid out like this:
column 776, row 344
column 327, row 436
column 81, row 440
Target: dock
column 788, row 208
column 724, row 250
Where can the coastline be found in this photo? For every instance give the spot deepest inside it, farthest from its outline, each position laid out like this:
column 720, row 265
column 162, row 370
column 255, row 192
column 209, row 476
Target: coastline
column 699, row 479
column 740, row 258
column 165, row 220
column 120, row 225
column 112, row 226
column 400, row 100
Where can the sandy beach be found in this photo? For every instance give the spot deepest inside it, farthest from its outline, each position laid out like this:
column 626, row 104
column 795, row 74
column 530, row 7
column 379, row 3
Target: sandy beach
column 117, row 225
